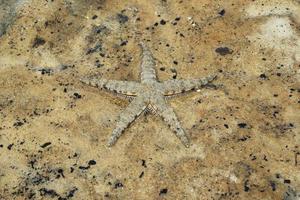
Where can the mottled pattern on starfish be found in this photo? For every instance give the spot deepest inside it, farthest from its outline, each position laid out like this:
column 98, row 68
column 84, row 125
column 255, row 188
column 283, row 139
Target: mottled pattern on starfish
column 149, row 94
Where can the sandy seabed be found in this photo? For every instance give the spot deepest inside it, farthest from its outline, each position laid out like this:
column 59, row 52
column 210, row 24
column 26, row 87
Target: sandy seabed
column 245, row 133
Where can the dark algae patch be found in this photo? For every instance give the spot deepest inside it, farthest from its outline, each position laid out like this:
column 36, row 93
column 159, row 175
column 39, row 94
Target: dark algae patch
column 38, row 41
column 18, row 123
column 246, row 186
column 48, row 192
column 71, row 193
column 122, row 18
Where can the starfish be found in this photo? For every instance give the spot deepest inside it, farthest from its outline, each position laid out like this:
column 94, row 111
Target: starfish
column 148, row 95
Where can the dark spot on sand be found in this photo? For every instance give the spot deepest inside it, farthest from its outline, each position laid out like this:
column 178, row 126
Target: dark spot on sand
column 246, row 186
column 263, row 76
column 122, row 18
column 77, row 95
column 223, row 51
column 222, row 12
column 92, row 162
column 38, row 41
column 162, row 22
column 10, row 146
column 18, row 123
column 242, row 125
column 45, row 144
column 118, row 184
column 48, row 192
column 163, row 191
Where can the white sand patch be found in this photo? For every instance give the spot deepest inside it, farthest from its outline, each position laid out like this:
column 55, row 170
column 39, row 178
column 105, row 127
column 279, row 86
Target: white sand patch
column 10, row 61
column 276, row 30
column 278, row 34
column 274, row 7
column 44, row 58
column 282, row 8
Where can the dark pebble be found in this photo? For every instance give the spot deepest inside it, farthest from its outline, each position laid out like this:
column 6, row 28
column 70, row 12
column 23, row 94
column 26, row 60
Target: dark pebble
column 92, row 162
column 222, row 12
column 123, row 43
column 144, row 163
column 46, row 144
column 141, row 175
column 163, row 191
column 263, row 76
column 223, row 51
column 163, row 22
column 118, row 185
column 242, row 125
column 83, row 167
column 61, row 172
column 77, row 96
column 10, row 146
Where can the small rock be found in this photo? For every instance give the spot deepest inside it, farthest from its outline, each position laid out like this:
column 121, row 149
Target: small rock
column 163, row 191
column 92, row 162
column 242, row 125
column 223, row 51
column 222, row 12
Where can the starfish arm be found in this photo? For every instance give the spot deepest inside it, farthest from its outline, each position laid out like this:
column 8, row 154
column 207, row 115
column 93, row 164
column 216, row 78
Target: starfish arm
column 134, row 109
column 170, row 118
column 148, row 73
column 172, row 87
column 128, row 88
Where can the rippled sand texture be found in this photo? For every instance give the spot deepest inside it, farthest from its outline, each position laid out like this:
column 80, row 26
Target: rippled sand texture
column 53, row 129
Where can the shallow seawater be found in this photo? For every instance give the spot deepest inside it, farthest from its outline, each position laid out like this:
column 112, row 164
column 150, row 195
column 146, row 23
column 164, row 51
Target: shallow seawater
column 244, row 129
